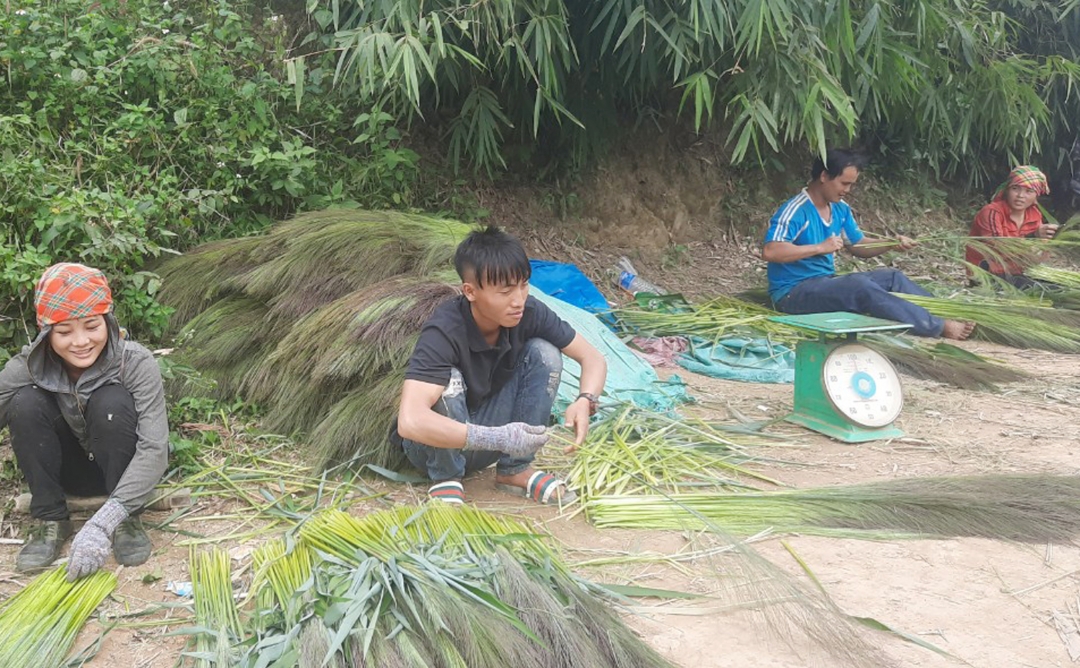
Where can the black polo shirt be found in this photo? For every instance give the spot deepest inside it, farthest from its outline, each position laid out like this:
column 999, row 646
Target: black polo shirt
column 451, row 339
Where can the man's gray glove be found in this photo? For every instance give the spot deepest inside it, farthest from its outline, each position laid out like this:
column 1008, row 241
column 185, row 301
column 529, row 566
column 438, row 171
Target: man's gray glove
column 516, row 439
column 92, row 544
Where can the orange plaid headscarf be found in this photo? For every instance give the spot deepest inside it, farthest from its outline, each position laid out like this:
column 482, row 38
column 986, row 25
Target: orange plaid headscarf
column 1026, row 176
column 67, row 291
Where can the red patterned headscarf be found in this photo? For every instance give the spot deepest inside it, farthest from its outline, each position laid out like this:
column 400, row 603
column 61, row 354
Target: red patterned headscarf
column 1026, row 176
column 67, row 291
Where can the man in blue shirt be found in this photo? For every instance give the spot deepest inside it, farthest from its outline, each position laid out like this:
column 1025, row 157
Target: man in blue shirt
column 809, row 228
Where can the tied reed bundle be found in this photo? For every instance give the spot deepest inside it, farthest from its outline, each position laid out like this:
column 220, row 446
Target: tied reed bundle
column 219, row 629
column 314, row 319
column 431, row 586
column 39, row 624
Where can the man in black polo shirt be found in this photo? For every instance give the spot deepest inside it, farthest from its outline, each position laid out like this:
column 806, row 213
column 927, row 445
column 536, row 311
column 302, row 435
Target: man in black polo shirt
column 484, row 375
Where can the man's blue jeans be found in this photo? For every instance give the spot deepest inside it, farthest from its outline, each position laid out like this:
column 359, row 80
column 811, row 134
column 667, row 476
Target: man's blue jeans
column 866, row 293
column 527, row 397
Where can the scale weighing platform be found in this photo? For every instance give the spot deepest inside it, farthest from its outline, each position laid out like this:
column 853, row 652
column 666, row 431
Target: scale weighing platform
column 844, row 389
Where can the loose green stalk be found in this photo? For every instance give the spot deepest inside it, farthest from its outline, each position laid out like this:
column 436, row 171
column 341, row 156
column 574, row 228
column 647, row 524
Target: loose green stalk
column 632, row 451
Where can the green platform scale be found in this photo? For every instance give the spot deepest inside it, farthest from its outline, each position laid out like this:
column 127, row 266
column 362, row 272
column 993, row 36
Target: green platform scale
column 844, row 389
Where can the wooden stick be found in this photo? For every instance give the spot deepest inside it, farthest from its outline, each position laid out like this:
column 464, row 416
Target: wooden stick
column 163, row 500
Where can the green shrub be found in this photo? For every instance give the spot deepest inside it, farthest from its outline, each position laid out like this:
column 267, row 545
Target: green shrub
column 135, row 128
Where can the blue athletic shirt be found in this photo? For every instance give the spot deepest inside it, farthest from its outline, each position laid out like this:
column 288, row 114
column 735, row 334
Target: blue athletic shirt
column 798, row 222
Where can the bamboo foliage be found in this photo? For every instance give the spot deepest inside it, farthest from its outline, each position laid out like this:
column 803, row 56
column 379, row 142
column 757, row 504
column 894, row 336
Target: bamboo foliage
column 945, row 79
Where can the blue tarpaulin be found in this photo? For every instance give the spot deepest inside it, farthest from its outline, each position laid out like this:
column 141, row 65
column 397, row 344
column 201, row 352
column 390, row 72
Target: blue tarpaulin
column 748, row 360
column 566, row 282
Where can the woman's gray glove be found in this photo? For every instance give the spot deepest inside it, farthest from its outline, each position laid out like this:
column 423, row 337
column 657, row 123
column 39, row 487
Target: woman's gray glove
column 516, row 439
column 92, row 544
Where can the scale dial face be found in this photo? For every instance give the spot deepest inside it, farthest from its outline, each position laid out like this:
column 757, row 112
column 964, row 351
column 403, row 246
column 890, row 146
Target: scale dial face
column 862, row 385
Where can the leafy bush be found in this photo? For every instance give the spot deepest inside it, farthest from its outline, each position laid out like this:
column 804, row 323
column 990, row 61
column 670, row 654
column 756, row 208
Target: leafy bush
column 131, row 129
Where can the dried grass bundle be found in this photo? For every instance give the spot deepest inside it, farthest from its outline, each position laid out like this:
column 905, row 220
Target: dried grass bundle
column 313, row 319
column 1020, row 323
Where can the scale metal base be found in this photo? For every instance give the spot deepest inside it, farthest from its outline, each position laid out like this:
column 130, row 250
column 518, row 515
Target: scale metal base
column 814, row 407
column 846, row 432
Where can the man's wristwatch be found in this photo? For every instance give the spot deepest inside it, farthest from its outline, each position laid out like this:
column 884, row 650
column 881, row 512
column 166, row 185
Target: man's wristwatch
column 594, row 401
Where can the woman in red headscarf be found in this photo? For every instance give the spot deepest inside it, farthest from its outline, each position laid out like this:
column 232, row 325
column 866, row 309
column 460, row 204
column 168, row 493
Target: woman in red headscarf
column 86, row 410
column 1014, row 213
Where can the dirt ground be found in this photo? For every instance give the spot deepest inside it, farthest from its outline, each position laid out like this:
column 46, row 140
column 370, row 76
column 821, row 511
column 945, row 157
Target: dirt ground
column 988, row 604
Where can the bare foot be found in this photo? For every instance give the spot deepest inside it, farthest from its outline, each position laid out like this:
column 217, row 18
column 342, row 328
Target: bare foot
column 957, row 329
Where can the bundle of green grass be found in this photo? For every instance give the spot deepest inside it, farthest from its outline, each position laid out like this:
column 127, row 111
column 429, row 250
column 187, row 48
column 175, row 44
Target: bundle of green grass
column 314, row 321
column 1010, row 321
column 39, row 624
column 640, row 471
column 412, row 587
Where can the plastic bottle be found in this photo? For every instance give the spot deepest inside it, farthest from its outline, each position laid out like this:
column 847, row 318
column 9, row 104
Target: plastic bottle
column 629, row 280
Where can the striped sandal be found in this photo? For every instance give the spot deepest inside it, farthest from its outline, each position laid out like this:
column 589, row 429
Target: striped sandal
column 542, row 488
column 447, row 491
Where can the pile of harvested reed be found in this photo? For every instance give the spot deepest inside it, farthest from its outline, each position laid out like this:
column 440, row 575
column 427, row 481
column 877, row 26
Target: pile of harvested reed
column 722, row 317
column 309, row 261
column 630, row 451
column 632, row 455
column 1013, row 322
column 334, row 368
column 713, row 319
column 1067, row 292
column 622, row 482
column 944, row 362
column 262, row 483
column 312, row 320
column 1033, row 508
column 1062, row 277
column 413, row 587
